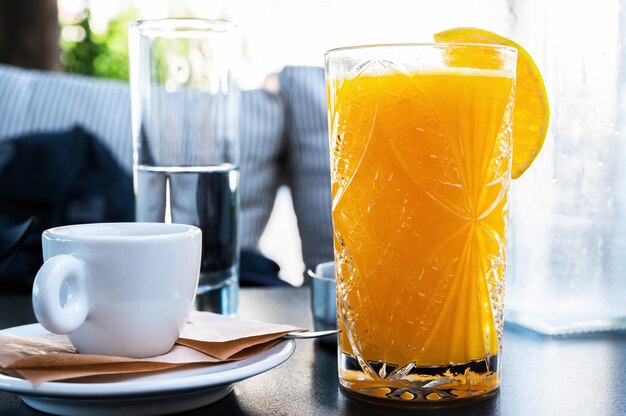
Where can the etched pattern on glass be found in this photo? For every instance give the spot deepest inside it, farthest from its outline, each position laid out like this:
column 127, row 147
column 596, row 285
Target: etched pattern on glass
column 448, row 231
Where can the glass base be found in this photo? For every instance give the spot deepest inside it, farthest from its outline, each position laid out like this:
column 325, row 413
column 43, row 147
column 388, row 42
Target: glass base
column 218, row 295
column 411, row 385
column 565, row 324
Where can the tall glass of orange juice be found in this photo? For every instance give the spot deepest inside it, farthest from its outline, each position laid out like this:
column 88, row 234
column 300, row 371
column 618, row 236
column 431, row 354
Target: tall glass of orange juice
column 420, row 144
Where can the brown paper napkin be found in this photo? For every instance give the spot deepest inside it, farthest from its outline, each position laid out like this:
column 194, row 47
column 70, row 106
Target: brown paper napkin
column 206, row 339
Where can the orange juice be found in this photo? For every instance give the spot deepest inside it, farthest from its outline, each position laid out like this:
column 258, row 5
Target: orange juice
column 420, row 165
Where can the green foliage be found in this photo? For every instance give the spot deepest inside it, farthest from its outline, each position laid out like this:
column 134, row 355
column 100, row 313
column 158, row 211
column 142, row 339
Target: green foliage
column 100, row 55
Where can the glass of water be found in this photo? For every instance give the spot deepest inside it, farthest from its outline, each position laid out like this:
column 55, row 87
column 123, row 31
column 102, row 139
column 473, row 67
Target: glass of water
column 184, row 119
column 567, row 268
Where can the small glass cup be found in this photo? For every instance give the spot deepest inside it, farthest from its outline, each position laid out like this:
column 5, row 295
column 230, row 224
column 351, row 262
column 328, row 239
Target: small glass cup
column 420, row 145
column 324, row 299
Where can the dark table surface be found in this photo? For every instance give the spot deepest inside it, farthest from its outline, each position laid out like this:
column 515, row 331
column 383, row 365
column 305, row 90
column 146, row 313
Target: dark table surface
column 582, row 375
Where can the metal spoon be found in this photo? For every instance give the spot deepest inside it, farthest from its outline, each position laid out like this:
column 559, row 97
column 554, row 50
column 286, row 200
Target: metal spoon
column 309, row 334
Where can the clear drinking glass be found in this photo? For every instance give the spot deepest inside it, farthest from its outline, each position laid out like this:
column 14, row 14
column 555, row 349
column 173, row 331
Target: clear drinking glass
column 185, row 118
column 420, row 145
column 568, row 213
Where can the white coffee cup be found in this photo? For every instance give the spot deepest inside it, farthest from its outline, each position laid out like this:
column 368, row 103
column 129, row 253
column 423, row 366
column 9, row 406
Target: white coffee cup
column 122, row 289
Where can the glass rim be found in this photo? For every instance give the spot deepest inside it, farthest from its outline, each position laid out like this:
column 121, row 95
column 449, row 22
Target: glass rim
column 343, row 49
column 182, row 25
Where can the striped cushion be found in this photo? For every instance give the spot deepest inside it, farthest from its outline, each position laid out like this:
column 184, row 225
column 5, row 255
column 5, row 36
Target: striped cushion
column 33, row 101
column 304, row 93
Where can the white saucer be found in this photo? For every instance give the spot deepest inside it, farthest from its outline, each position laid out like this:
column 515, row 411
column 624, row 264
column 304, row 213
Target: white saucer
column 161, row 393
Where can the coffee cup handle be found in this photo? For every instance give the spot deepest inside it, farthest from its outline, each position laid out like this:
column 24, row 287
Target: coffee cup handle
column 47, row 297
